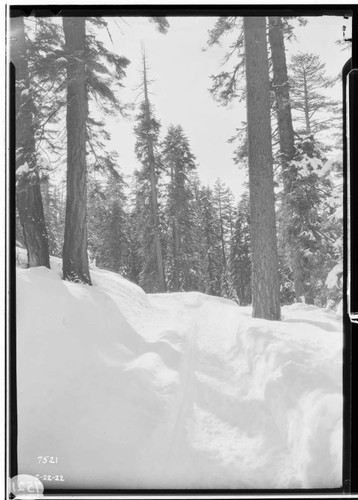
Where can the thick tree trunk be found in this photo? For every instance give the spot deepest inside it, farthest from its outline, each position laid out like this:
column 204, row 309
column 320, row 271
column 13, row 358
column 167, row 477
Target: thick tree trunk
column 265, row 277
column 286, row 135
column 28, row 193
column 75, row 258
column 154, row 196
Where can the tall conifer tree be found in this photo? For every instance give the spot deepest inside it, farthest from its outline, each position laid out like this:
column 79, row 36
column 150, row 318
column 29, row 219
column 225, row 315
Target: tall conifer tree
column 147, row 151
column 29, row 199
column 75, row 258
column 179, row 163
column 265, row 277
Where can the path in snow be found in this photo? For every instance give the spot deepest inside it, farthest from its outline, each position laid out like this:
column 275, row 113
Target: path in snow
column 215, row 425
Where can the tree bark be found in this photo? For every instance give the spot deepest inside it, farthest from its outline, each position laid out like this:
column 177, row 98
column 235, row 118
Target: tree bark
column 153, row 185
column 286, row 136
column 265, row 276
column 28, row 193
column 75, row 258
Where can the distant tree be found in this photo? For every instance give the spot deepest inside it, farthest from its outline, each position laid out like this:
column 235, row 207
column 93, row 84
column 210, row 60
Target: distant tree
column 136, row 229
column 147, row 151
column 28, row 192
column 179, row 163
column 108, row 224
column 240, row 252
column 54, row 215
column 265, row 277
column 315, row 111
column 212, row 244
column 200, row 250
column 223, row 204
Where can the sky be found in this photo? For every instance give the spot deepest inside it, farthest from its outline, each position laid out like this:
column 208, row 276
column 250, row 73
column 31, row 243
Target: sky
column 180, row 70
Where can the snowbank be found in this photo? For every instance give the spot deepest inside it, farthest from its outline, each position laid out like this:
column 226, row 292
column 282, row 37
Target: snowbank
column 131, row 390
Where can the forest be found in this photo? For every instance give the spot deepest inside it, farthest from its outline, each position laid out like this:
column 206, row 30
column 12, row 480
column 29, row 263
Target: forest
column 162, row 227
column 179, row 253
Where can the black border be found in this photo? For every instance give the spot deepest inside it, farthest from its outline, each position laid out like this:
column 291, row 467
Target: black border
column 10, row 302
column 350, row 484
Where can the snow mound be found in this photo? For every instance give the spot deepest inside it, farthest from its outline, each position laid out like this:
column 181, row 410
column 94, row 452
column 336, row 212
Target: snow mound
column 131, row 390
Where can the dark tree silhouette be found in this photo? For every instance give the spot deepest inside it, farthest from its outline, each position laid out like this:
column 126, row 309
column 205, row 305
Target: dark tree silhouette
column 28, row 192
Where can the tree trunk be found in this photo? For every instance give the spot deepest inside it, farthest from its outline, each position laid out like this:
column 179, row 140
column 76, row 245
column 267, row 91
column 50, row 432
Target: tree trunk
column 28, row 193
column 286, row 135
column 265, row 276
column 307, row 108
column 154, row 196
column 75, row 258
column 176, row 247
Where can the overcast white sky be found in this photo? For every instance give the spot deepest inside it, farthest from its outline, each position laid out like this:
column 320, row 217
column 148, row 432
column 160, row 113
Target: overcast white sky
column 181, row 71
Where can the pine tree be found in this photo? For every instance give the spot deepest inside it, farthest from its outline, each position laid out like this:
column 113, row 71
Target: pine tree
column 240, row 252
column 223, row 204
column 227, row 85
column 200, row 246
column 88, row 77
column 287, row 143
column 179, row 163
column 75, row 258
column 212, row 244
column 265, row 281
column 117, row 243
column 308, row 205
column 146, row 148
column 29, row 199
column 108, row 224
column 308, row 81
column 54, row 215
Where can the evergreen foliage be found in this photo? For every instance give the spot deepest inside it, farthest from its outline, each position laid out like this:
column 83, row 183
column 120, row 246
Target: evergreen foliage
column 240, row 252
column 315, row 111
column 179, row 164
column 165, row 230
column 149, row 209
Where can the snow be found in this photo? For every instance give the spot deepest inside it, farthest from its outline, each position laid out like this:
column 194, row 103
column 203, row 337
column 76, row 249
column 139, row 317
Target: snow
column 338, row 214
column 307, row 165
column 334, row 275
column 184, row 390
column 42, row 162
column 22, row 170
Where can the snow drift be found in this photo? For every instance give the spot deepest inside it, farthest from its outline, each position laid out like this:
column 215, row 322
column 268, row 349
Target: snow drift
column 131, row 390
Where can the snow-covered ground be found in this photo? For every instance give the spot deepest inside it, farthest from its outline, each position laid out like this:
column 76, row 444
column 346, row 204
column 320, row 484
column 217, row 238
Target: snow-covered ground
column 131, row 390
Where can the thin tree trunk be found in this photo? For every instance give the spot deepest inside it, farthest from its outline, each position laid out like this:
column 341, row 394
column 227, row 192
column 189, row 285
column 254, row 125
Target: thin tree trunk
column 265, row 277
column 28, row 192
column 154, row 195
column 75, row 258
column 176, row 248
column 307, row 110
column 286, row 135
